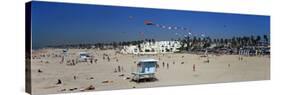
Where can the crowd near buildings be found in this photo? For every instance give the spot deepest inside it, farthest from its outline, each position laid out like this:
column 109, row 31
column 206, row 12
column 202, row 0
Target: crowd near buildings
column 249, row 46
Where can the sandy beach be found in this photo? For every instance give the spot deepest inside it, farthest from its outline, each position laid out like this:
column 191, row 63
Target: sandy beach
column 48, row 66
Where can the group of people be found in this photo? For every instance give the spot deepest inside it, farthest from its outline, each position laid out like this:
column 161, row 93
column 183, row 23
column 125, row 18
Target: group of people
column 119, row 69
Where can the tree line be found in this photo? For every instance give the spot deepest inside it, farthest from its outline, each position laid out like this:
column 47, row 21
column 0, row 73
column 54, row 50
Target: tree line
column 187, row 43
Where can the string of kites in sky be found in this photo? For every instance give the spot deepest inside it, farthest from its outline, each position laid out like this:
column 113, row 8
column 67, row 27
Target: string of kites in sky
column 184, row 31
column 179, row 31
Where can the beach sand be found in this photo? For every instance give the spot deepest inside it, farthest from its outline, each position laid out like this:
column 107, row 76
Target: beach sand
column 224, row 68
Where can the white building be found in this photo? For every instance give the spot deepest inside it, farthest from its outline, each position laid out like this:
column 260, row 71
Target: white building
column 152, row 47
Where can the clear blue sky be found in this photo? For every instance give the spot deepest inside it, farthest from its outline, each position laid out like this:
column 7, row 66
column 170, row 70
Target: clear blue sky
column 61, row 23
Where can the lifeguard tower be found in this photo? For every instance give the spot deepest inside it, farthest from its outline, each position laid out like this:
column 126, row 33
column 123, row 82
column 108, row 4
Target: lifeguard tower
column 146, row 69
column 83, row 56
column 64, row 51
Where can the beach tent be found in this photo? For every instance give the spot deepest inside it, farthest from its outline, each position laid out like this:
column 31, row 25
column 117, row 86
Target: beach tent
column 146, row 69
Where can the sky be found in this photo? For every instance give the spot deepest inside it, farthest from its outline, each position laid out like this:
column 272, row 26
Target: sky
column 65, row 23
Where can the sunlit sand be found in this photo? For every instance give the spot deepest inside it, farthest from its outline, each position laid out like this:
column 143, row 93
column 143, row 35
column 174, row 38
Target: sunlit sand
column 47, row 68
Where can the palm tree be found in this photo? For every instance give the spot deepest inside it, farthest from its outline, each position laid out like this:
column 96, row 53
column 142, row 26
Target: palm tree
column 139, row 47
column 252, row 40
column 221, row 41
column 194, row 41
column 115, row 45
column 153, row 41
column 258, row 40
column 265, row 38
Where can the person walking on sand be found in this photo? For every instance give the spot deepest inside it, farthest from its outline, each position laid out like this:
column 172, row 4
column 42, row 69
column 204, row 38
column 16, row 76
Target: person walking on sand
column 62, row 60
column 91, row 60
column 157, row 66
column 167, row 65
column 108, row 59
column 193, row 68
column 74, row 77
column 73, row 63
column 163, row 64
column 240, row 58
column 119, row 69
column 96, row 60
